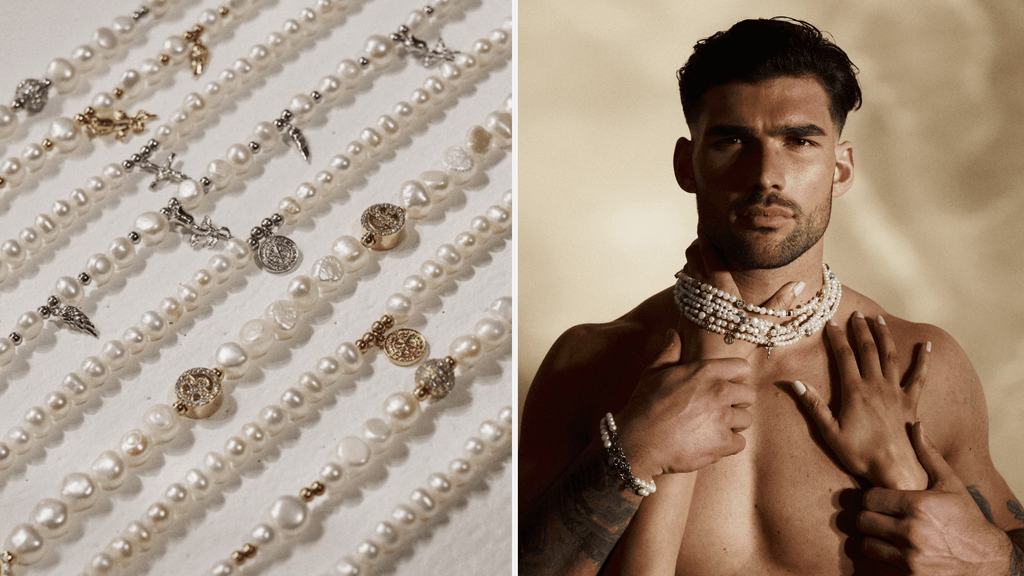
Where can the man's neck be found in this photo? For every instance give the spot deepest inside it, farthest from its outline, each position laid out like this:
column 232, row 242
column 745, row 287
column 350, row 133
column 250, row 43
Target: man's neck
column 757, row 286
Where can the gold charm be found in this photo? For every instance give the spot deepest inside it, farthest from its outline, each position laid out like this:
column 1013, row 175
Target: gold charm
column 405, row 346
column 435, row 379
column 383, row 226
column 120, row 124
column 198, row 54
column 199, row 392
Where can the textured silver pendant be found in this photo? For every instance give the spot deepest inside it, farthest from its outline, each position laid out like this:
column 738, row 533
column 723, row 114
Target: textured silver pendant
column 31, row 95
column 72, row 317
column 277, row 254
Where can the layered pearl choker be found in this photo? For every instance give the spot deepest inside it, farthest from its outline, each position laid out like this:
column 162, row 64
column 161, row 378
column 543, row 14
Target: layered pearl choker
column 724, row 313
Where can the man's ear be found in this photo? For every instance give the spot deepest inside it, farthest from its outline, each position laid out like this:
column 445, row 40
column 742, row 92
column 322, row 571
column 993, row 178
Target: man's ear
column 682, row 161
column 842, row 180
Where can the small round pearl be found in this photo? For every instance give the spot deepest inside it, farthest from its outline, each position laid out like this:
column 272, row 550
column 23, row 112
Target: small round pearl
column 26, row 544
column 157, row 516
column 266, row 135
column 6, row 349
column 8, row 121
column 161, row 423
column 197, row 483
column 50, row 516
column 134, row 447
column 37, row 422
column 460, row 471
column 303, row 292
column 327, row 371
column 33, row 156
column 170, row 309
column 56, row 405
column 415, row 288
column 301, row 107
column 500, row 218
column 190, row 193
column 203, row 280
column 283, row 317
column 138, row 534
column 332, row 474
column 80, row 201
column 12, row 170
column 153, row 226
column 399, row 306
column 109, row 470
column 500, row 124
column 63, row 75
column 74, row 388
column 175, row 47
column 491, row 332
column 352, row 254
column 96, row 188
column 122, row 252
column 466, row 350
column 475, row 449
column 328, row 273
column 153, row 72
column 349, row 356
column 256, row 337
column 223, row 568
column 439, row 485
column 353, row 451
column 93, row 371
column 288, row 513
column 401, row 410
column 100, row 268
column 134, row 340
column 289, row 208
column 47, row 227
column 78, row 491
column 254, row 436
column 481, row 226
column 19, row 440
column 220, row 173
column 30, row 240
column 6, row 456
column 466, row 243
column 376, row 432
column 221, row 267
column 414, row 198
column 12, row 253
column 437, row 183
column 492, row 432
column 217, row 467
column 502, row 308
column 403, row 517
column 433, row 272
column 273, row 419
column 29, row 325
column 294, row 403
column 449, row 257
column 103, row 101
column 189, row 296
column 69, row 290
column 239, row 157
column 263, row 534
column 306, row 195
column 152, row 325
column 130, row 80
column 120, row 549
column 232, row 359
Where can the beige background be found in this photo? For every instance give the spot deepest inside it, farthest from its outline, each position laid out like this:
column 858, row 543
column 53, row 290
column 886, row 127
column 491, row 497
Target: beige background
column 930, row 229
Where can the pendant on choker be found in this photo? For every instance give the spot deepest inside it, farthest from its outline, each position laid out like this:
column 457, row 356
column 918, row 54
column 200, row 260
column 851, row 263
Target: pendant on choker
column 404, row 346
column 277, row 254
column 31, row 95
column 72, row 317
column 383, row 226
column 199, row 392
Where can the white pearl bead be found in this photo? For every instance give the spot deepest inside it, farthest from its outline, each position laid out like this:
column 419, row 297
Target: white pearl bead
column 217, row 467
column 50, row 516
column 239, row 157
column 502, row 307
column 349, row 69
column 367, row 552
column 232, row 359
column 289, row 208
column 263, row 534
column 500, row 124
column 403, row 517
column 434, row 85
column 439, row 485
column 80, row 201
column 376, row 432
column 8, row 121
column 306, row 195
column 499, row 218
column 277, row 43
column 401, row 410
column 349, row 356
column 256, row 337
column 157, row 516
column 96, row 188
column 303, row 292
column 254, row 436
column 399, row 306
column 56, row 405
column 460, row 471
column 352, row 254
column 120, row 549
column 266, row 135
column 433, row 272
column 109, row 470
column 29, row 325
column 450, row 71
column 78, row 491
column 346, row 567
column 491, row 332
column 175, row 47
column 138, row 534
column 372, row 138
column 466, row 350
column 63, row 75
column 288, row 513
column 220, row 173
column 170, row 309
column 152, row 71
column 122, row 252
column 6, row 348
column 294, row 403
column 190, row 194
column 449, row 257
column 327, row 371
column 100, row 267
column 481, row 226
column 379, row 49
column 332, row 474
column 413, row 197
column 152, row 325
column 203, row 280
column 475, row 449
column 12, row 170
column 69, row 290
column 189, row 296
column 198, row 484
column 273, row 419
column 301, row 107
column 47, row 228
column 6, row 456
column 424, row 503
column 328, row 273
column 19, row 440
column 37, row 422
column 33, row 156
column 30, row 240
column 161, row 423
column 134, row 447
column 75, row 388
column 260, row 56
column 492, row 433
column 283, row 317
column 130, row 80
column 134, row 340
column 236, row 452
column 103, row 101
column 437, row 183
column 353, row 452
column 152, row 226
column 415, row 288
column 506, row 415
column 223, row 568
column 467, row 244
column 26, row 544
column 12, row 253
column 220, row 267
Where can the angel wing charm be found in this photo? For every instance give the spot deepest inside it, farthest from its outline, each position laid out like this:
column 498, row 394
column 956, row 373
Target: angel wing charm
column 300, row 142
column 71, row 316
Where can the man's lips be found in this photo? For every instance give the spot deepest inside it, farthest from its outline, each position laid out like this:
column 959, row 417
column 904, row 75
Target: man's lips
column 765, row 216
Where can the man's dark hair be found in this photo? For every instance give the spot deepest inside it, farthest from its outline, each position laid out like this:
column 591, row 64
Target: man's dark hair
column 758, row 50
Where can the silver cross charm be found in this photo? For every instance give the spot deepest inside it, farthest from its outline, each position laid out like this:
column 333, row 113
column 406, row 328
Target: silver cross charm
column 163, row 173
column 206, row 233
column 418, row 48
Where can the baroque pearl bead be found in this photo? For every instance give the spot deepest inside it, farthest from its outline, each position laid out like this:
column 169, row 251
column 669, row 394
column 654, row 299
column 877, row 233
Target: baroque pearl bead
column 354, row 452
column 50, row 517
column 256, row 337
column 349, row 356
column 466, row 350
column 78, row 491
column 69, row 290
column 26, row 544
column 161, row 423
column 135, row 448
column 352, row 254
column 153, row 226
column 288, row 513
column 303, row 292
column 401, row 410
column 232, row 359
column 109, row 470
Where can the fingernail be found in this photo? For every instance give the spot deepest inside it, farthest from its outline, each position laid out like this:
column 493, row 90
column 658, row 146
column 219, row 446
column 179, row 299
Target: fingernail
column 798, row 288
column 928, row 346
column 858, row 314
column 832, row 323
column 799, row 388
column 881, row 321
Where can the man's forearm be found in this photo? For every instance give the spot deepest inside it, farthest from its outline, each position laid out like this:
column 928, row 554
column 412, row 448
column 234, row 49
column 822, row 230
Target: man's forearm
column 573, row 527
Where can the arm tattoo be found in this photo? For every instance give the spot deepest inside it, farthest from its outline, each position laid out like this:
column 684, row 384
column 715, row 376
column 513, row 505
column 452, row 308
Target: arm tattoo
column 578, row 520
column 982, row 503
column 1017, row 538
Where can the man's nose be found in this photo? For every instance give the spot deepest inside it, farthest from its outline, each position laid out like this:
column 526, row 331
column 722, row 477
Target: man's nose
column 765, row 167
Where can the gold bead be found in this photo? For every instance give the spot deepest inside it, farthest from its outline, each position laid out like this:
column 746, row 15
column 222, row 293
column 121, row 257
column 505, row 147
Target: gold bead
column 318, row 488
column 180, row 407
column 370, row 338
column 450, row 361
column 306, row 494
column 118, row 93
column 421, row 393
column 360, row 343
column 249, row 550
column 237, row 557
column 47, row 144
column 7, row 557
column 388, row 320
column 218, row 373
column 223, row 11
column 2, row 182
column 377, row 327
column 164, row 59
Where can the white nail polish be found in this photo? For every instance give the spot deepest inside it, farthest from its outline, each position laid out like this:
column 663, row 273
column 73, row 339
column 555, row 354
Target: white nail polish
column 798, row 289
column 928, row 346
column 799, row 387
column 858, row 314
column 881, row 321
column 832, row 323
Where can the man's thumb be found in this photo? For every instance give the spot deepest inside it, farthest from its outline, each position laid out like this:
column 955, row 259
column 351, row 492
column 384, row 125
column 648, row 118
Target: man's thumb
column 785, row 298
column 940, row 475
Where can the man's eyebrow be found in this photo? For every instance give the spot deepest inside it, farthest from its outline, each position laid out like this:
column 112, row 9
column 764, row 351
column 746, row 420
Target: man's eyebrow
column 799, row 131
column 802, row 131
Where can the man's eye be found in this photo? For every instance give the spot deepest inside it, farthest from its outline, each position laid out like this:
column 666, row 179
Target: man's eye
column 802, row 142
column 730, row 141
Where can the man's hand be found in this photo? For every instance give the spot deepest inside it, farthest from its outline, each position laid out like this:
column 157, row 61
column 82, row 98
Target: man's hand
column 683, row 417
column 938, row 531
column 869, row 436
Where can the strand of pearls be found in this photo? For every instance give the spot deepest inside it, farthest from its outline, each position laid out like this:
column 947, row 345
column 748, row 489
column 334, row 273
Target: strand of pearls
column 617, row 459
column 289, row 515
column 281, row 317
column 371, row 144
column 65, row 215
column 724, row 313
column 491, row 443
column 300, row 401
column 64, row 134
column 64, row 74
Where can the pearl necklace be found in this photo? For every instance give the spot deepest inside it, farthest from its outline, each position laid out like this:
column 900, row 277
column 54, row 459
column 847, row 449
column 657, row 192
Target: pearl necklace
column 289, row 515
column 724, row 313
column 63, row 74
column 151, row 227
column 99, row 119
column 162, row 422
column 349, row 254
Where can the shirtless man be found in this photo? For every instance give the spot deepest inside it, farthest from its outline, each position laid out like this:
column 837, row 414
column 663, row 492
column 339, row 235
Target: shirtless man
column 763, row 463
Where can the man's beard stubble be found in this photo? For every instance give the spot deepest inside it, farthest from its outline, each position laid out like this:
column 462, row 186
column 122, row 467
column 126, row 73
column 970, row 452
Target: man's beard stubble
column 741, row 251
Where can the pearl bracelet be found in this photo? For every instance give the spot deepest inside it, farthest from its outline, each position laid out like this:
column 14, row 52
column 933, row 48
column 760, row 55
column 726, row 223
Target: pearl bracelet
column 617, row 459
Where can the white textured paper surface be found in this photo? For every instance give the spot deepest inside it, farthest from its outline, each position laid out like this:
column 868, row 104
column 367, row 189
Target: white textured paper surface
column 474, row 535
